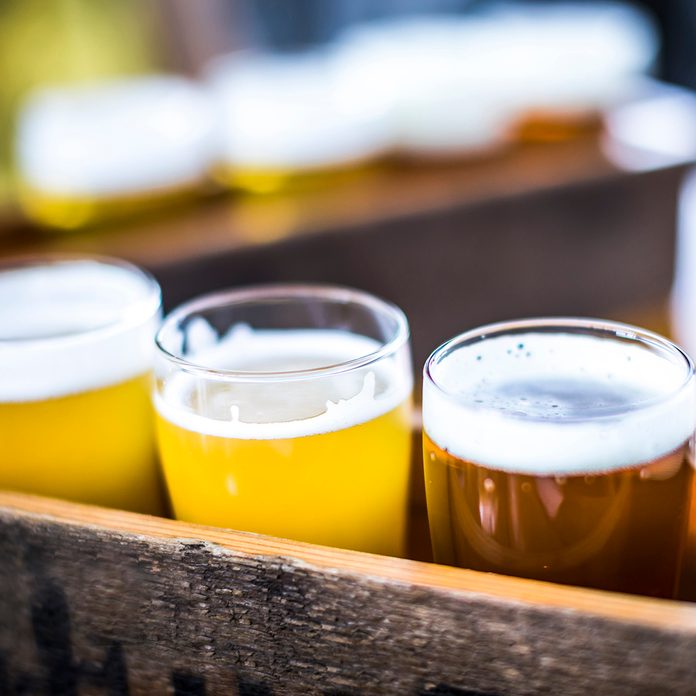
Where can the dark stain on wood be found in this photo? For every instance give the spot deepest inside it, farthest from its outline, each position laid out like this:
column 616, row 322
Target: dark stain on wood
column 4, row 677
column 445, row 690
column 51, row 624
column 186, row 684
column 50, row 620
column 248, row 687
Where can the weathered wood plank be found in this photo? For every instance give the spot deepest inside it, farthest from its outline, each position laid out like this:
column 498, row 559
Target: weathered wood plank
column 95, row 601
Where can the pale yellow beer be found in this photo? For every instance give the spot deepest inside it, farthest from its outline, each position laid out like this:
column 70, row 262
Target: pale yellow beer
column 293, row 432
column 76, row 420
column 344, row 488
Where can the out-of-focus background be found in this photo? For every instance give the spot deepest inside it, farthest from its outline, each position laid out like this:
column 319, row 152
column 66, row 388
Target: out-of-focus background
column 469, row 160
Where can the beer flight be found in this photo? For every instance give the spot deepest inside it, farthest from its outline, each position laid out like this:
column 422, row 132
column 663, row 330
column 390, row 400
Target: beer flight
column 554, row 449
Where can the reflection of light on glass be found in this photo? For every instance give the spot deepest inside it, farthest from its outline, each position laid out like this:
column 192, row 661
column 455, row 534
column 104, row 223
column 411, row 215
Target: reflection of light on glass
column 640, row 134
column 683, row 309
column 488, row 507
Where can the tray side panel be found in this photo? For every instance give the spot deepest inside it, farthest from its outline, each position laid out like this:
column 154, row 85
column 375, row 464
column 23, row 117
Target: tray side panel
column 89, row 610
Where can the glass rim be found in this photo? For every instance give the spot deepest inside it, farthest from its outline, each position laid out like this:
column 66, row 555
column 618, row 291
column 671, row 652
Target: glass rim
column 139, row 311
column 611, row 329
column 260, row 293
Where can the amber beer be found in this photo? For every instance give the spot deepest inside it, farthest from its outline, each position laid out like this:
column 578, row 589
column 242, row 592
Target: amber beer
column 561, row 450
column 76, row 343
column 286, row 411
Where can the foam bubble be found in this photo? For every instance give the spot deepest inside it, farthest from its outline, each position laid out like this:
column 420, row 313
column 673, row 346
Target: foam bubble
column 269, row 410
column 557, row 403
column 73, row 326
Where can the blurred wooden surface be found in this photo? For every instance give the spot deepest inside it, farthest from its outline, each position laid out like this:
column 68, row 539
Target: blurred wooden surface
column 546, row 228
column 365, row 197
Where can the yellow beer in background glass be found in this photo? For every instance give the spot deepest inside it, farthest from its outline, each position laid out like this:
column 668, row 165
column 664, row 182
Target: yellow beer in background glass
column 76, row 338
column 286, row 411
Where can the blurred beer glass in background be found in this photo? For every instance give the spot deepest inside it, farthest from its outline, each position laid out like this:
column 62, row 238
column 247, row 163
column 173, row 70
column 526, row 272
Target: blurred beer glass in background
column 130, row 109
column 64, row 43
column 285, row 410
column 561, row 450
column 76, row 337
column 100, row 151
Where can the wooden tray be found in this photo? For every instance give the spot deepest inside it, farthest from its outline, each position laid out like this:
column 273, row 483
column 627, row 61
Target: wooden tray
column 95, row 601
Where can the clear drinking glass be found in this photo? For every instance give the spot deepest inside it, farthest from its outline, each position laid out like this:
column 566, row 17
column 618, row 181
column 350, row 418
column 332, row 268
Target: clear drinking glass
column 561, row 449
column 285, row 410
column 76, row 346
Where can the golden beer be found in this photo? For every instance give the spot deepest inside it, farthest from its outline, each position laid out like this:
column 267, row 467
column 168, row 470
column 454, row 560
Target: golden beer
column 563, row 452
column 75, row 414
column 293, row 432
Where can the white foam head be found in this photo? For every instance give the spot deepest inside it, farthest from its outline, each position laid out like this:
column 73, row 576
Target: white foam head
column 253, row 404
column 285, row 113
column 558, row 403
column 72, row 325
column 462, row 82
column 115, row 138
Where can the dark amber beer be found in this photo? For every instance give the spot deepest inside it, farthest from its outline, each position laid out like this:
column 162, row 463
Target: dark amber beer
column 561, row 450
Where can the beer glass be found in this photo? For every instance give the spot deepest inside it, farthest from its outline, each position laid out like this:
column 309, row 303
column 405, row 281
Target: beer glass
column 284, row 410
column 561, row 450
column 76, row 345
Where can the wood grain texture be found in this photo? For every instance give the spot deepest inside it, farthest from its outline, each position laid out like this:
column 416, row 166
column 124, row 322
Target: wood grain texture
column 99, row 601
